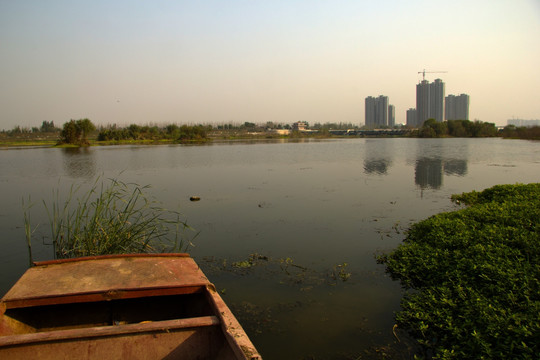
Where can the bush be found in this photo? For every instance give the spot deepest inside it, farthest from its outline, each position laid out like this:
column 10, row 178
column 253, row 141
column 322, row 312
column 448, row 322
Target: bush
column 474, row 276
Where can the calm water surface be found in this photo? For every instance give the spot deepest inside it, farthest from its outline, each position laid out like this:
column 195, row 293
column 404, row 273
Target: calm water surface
column 312, row 210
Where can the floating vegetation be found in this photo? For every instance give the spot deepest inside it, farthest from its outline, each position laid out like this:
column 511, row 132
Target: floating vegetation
column 251, row 261
column 283, row 270
column 474, row 277
column 341, row 273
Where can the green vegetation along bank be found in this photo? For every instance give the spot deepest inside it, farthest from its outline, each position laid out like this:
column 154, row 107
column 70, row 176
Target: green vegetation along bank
column 474, row 277
column 83, row 132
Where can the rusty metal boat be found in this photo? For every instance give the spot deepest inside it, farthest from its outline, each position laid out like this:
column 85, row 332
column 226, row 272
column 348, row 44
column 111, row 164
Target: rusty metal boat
column 138, row 306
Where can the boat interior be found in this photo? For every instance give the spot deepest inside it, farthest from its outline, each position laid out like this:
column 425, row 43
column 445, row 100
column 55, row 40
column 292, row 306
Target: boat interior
column 109, row 312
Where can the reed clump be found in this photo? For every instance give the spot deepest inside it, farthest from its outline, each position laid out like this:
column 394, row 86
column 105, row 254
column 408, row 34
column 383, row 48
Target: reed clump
column 113, row 218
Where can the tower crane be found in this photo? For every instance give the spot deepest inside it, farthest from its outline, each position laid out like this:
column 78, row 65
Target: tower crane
column 429, row 72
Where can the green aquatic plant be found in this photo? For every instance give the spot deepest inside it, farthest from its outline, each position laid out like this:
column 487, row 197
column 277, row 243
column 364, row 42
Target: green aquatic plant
column 282, row 270
column 112, row 218
column 474, row 277
column 340, row 272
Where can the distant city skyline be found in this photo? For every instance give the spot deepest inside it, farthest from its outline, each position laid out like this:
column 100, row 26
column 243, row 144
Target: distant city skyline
column 209, row 62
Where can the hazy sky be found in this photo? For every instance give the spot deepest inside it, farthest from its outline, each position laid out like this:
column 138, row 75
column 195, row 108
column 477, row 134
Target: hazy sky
column 284, row 61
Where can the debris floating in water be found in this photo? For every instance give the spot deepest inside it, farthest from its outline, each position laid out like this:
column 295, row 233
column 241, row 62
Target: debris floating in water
column 194, row 198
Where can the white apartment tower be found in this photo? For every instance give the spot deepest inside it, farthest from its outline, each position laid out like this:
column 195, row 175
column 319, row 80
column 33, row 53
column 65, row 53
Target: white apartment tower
column 457, row 107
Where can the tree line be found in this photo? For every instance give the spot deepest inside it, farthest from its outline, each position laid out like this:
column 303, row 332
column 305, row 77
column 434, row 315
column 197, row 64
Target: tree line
column 46, row 127
column 77, row 131
column 521, row 132
column 169, row 132
column 457, row 128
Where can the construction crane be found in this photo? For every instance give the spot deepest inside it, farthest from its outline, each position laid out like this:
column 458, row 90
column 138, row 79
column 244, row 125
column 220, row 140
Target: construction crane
column 429, row 72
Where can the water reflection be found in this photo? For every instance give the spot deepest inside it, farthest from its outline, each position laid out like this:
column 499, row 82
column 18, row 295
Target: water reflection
column 79, row 162
column 378, row 157
column 376, row 166
column 428, row 173
column 455, row 167
column 435, row 158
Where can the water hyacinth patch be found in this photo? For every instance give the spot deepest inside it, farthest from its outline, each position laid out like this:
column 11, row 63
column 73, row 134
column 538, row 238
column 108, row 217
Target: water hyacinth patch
column 474, row 276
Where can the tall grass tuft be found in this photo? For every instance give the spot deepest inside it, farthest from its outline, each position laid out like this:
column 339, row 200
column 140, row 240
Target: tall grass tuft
column 113, row 218
column 27, row 228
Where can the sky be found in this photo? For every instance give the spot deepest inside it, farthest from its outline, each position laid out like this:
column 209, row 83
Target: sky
column 231, row 61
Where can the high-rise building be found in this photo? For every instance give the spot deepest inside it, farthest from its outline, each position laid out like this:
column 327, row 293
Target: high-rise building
column 382, row 110
column 422, row 103
column 429, row 101
column 376, row 111
column 370, row 111
column 391, row 115
column 457, row 107
column 436, row 100
column 411, row 117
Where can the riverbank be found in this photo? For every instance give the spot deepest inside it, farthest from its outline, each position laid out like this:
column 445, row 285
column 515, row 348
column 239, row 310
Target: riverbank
column 52, row 139
column 218, row 136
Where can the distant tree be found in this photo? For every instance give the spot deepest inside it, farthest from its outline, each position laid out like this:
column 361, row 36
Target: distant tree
column 172, row 131
column 509, row 131
column 134, row 131
column 76, row 132
column 458, row 128
column 70, row 133
column 189, row 133
column 86, row 127
column 249, row 125
column 48, row 126
column 433, row 128
column 487, row 129
column 522, row 132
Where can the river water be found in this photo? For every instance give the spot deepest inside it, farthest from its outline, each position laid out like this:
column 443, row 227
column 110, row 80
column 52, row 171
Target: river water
column 315, row 212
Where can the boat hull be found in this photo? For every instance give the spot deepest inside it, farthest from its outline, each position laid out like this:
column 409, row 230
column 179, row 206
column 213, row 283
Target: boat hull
column 125, row 306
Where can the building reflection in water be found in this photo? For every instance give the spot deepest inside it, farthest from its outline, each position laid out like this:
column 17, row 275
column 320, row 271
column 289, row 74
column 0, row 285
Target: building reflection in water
column 455, row 167
column 79, row 162
column 378, row 156
column 376, row 166
column 428, row 173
